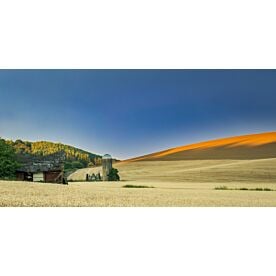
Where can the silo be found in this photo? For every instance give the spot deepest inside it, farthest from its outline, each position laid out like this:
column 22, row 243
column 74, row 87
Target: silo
column 107, row 166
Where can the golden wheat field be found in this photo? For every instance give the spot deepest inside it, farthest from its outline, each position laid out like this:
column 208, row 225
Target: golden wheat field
column 176, row 183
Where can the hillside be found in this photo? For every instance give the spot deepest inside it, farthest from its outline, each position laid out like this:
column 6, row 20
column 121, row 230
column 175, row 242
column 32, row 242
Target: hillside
column 75, row 158
column 253, row 146
column 242, row 158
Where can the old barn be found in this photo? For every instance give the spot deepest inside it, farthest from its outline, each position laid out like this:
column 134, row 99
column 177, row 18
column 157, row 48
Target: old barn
column 42, row 169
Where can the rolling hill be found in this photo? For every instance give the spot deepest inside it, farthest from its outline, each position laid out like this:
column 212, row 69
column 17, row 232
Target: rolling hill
column 253, row 146
column 248, row 158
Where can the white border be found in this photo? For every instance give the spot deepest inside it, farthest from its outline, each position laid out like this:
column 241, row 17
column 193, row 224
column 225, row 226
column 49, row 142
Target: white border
column 138, row 241
column 137, row 34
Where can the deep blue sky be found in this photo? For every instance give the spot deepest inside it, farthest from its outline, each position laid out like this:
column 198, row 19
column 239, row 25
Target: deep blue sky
column 133, row 112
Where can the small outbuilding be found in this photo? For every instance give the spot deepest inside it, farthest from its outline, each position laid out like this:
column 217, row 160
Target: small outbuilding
column 41, row 169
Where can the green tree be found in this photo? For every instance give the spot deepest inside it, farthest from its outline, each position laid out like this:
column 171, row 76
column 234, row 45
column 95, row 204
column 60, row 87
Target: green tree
column 113, row 175
column 8, row 164
column 47, row 148
column 77, row 165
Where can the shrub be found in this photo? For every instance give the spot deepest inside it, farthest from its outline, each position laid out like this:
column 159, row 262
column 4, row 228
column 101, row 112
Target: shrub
column 137, row 186
column 244, row 189
column 221, row 188
column 113, row 175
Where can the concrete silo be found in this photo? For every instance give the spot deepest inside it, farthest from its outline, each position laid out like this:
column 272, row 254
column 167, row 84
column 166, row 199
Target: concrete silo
column 107, row 166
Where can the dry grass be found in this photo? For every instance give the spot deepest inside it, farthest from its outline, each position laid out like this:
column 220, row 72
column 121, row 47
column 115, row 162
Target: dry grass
column 176, row 183
column 113, row 194
column 202, row 171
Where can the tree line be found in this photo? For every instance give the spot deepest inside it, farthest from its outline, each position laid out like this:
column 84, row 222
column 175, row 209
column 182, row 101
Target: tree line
column 8, row 163
column 74, row 158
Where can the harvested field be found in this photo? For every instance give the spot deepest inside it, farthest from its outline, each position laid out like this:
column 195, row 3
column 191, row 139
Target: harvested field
column 198, row 171
column 113, row 194
column 176, row 183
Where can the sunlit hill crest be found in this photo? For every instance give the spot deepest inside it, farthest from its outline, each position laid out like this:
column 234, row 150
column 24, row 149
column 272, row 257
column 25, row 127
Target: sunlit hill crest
column 250, row 146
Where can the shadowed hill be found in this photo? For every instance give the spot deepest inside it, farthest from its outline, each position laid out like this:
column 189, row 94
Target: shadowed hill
column 254, row 146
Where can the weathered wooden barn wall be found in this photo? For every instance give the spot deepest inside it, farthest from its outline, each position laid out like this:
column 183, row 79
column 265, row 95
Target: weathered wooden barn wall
column 53, row 176
column 20, row 176
column 50, row 176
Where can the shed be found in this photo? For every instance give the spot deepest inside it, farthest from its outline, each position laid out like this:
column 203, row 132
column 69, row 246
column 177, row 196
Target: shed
column 48, row 168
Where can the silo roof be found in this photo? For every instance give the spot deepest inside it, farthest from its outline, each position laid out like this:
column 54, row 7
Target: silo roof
column 107, row 156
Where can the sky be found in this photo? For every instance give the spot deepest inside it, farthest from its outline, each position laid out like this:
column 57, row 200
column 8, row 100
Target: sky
column 128, row 113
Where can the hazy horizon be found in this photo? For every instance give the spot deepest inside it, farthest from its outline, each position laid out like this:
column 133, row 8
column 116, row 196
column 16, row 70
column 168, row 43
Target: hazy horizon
column 128, row 113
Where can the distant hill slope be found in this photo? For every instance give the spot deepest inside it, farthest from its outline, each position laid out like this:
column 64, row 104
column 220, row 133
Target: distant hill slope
column 75, row 158
column 253, row 146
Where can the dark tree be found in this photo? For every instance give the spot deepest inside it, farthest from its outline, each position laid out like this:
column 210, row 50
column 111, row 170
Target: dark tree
column 113, row 175
column 8, row 164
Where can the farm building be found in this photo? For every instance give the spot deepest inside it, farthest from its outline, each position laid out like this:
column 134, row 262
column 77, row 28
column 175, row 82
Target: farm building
column 41, row 169
column 106, row 173
column 107, row 166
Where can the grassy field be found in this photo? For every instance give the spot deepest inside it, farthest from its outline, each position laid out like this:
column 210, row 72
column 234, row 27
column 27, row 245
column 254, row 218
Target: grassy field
column 176, row 183
column 113, row 194
column 258, row 171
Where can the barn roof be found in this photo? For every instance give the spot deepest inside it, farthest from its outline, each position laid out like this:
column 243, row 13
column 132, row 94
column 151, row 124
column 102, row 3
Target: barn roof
column 39, row 163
